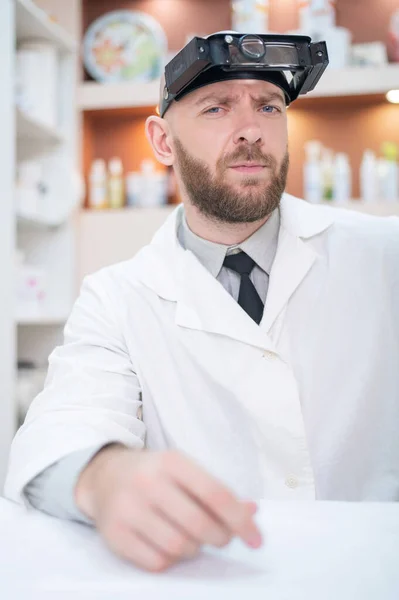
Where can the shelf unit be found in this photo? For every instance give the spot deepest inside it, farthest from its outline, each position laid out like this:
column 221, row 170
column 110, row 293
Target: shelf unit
column 45, row 239
column 48, row 239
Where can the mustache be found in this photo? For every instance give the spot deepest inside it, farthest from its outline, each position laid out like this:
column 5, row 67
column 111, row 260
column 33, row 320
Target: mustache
column 248, row 154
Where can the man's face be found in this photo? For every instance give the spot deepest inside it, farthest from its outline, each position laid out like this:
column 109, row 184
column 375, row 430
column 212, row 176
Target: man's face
column 230, row 147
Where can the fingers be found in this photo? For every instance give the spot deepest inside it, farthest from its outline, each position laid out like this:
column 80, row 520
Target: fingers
column 155, row 509
column 187, row 515
column 136, row 549
column 234, row 515
column 162, row 533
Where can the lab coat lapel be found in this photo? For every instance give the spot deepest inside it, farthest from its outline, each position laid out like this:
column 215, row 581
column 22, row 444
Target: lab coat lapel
column 205, row 305
column 295, row 257
column 292, row 263
column 202, row 303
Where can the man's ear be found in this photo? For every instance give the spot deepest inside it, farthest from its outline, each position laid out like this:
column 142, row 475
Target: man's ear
column 158, row 134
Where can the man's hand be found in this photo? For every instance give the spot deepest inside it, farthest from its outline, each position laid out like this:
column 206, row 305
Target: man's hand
column 157, row 508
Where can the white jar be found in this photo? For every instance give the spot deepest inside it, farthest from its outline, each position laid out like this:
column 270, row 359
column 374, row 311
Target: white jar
column 154, row 190
column 369, row 177
column 134, row 187
column 250, row 16
column 37, row 80
column 342, row 178
column 388, row 180
column 312, row 172
column 98, row 197
column 316, row 15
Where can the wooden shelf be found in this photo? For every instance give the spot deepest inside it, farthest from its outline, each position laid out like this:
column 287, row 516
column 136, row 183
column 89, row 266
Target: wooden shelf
column 41, row 319
column 30, row 130
column 356, row 81
column 378, row 209
column 31, row 221
column 353, row 81
column 96, row 96
column 33, row 22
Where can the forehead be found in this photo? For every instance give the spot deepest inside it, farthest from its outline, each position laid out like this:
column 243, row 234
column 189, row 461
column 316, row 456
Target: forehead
column 235, row 88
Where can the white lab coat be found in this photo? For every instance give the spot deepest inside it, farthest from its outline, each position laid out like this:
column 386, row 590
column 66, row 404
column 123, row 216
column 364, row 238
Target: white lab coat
column 304, row 406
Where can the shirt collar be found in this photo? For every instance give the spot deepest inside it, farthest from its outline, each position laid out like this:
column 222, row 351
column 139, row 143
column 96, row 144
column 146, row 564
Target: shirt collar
column 261, row 246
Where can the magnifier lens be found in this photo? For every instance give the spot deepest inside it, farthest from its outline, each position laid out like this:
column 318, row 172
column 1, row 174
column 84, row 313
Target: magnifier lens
column 252, row 47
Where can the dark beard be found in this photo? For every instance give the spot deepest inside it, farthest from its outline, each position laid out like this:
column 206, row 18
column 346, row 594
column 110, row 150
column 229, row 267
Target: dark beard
column 217, row 200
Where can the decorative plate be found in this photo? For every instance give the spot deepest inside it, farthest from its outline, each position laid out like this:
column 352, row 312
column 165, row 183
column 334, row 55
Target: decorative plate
column 125, row 45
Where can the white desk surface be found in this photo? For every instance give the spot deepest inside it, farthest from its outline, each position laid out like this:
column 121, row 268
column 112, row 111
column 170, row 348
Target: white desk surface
column 312, row 551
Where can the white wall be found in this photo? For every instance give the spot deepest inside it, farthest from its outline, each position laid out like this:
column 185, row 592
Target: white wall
column 7, row 233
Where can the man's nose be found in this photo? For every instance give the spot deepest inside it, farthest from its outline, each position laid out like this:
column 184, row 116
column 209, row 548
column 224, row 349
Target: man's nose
column 248, row 131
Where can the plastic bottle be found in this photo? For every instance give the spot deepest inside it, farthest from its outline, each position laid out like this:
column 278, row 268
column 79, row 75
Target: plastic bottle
column 342, row 178
column 327, row 169
column 98, row 185
column 313, row 179
column 369, row 177
column 388, row 173
column 116, row 191
column 134, row 187
column 154, row 185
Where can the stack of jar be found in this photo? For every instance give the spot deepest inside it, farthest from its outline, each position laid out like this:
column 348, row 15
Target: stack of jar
column 328, row 176
column 109, row 188
column 36, row 81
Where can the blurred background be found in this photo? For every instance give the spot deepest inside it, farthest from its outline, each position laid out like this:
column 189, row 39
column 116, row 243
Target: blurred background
column 79, row 186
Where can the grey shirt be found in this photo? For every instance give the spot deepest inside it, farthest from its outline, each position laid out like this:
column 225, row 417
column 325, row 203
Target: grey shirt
column 52, row 491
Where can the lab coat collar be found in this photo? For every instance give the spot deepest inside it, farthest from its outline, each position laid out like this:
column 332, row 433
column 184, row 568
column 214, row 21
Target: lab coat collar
column 177, row 275
column 295, row 256
column 260, row 246
column 304, row 220
column 299, row 218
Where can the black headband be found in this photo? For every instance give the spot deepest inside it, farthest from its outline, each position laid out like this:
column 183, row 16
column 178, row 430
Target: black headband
column 293, row 63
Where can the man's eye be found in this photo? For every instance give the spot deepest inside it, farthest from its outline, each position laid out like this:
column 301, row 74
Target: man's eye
column 270, row 109
column 213, row 111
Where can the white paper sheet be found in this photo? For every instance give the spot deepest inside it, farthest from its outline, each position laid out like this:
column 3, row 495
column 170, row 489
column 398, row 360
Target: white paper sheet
column 312, row 551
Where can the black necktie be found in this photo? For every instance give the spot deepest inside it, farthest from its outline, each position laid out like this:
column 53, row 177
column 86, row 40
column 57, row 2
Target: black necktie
column 248, row 297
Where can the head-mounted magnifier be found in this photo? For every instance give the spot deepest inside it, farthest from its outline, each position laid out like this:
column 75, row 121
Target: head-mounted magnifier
column 292, row 62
